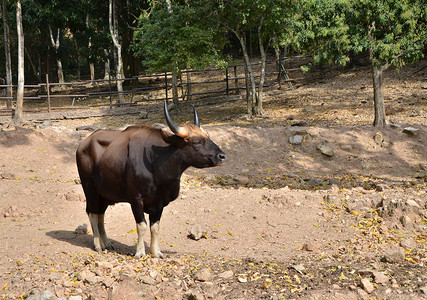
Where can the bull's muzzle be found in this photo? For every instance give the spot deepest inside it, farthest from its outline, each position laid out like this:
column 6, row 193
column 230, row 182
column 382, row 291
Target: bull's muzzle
column 220, row 158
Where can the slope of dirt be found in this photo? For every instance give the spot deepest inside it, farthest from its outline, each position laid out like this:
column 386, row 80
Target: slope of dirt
column 278, row 220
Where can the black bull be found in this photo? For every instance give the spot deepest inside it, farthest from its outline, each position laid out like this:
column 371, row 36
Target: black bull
column 141, row 165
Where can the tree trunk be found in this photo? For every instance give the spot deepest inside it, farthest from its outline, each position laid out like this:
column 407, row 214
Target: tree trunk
column 60, row 71
column 55, row 45
column 253, row 97
column 91, row 64
column 175, row 90
column 114, row 31
column 107, row 64
column 258, row 105
column 18, row 117
column 8, row 62
column 377, row 76
column 79, row 73
column 175, row 71
column 33, row 67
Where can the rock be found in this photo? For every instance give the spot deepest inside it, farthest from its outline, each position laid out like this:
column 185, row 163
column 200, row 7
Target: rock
column 378, row 138
column 146, row 279
column 346, row 147
column 88, row 277
column 409, row 244
column 75, row 298
column 366, row 272
column 394, row 254
column 126, row 289
column 424, row 290
column 381, row 187
column 193, row 295
column 411, row 131
column 315, row 182
column 9, row 176
column 296, row 139
column 46, row 124
column 81, row 229
column 367, row 286
column 196, row 233
column 143, row 114
column 107, row 281
column 203, row 275
column 226, row 275
column 127, row 272
column 74, row 196
column 88, row 128
column 299, row 268
column 45, row 295
column 325, row 149
column 380, row 278
column 362, row 294
column 412, row 203
column 106, row 265
column 406, row 222
column 311, row 246
column 241, row 179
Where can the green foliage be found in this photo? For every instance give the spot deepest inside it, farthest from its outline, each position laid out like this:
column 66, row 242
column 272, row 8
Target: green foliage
column 330, row 30
column 184, row 37
column 394, row 30
column 319, row 27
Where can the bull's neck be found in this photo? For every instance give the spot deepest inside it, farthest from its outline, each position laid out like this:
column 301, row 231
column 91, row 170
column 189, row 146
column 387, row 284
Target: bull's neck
column 171, row 164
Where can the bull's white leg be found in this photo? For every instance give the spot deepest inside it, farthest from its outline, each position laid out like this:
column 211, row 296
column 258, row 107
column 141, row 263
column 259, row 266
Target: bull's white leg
column 93, row 218
column 140, row 247
column 105, row 242
column 154, row 247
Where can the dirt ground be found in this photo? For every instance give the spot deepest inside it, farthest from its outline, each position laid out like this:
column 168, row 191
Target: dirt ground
column 279, row 220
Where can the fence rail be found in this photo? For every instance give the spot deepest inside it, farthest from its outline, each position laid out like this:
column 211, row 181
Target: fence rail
column 139, row 89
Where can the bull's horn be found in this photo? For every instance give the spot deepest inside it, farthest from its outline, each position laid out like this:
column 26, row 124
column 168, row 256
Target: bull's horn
column 196, row 116
column 179, row 131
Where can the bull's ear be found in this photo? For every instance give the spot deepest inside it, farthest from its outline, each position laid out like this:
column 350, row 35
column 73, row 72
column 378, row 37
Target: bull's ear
column 169, row 137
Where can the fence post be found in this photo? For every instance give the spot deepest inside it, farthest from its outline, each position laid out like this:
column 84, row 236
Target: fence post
column 226, row 80
column 248, row 90
column 48, row 92
column 236, row 81
column 166, row 85
column 109, row 86
column 280, row 69
column 189, row 88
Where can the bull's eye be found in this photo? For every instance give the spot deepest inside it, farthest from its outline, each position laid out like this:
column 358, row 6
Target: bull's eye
column 197, row 142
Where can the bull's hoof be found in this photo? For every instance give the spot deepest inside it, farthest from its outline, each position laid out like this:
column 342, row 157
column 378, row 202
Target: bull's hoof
column 110, row 247
column 140, row 254
column 157, row 255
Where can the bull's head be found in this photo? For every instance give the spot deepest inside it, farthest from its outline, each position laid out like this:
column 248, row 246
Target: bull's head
column 196, row 146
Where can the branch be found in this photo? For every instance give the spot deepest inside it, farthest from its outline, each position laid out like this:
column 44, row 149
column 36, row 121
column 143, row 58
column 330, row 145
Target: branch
column 54, row 44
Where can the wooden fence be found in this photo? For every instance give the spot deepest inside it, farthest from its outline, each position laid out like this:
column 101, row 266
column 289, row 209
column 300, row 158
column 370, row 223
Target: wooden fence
column 192, row 84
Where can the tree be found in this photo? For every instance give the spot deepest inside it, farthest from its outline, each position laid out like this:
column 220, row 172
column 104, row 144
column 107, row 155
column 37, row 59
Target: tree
column 175, row 36
column 8, row 61
column 55, row 45
column 18, row 117
column 394, row 32
column 114, row 30
column 319, row 28
column 266, row 18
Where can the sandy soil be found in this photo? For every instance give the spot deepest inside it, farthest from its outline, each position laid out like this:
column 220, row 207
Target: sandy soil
column 278, row 220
